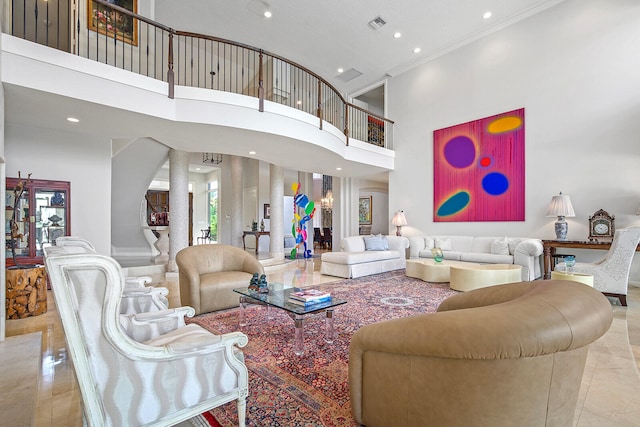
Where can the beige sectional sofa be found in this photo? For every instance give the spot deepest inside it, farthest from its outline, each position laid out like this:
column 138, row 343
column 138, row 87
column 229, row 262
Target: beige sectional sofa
column 364, row 255
column 523, row 251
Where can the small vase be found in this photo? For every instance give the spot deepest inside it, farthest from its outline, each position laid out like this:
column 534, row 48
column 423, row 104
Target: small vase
column 437, row 254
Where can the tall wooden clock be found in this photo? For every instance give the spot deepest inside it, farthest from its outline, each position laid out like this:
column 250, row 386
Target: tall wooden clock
column 601, row 226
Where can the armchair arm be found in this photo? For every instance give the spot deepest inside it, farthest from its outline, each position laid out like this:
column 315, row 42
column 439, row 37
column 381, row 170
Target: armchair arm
column 146, row 326
column 139, row 280
column 140, row 300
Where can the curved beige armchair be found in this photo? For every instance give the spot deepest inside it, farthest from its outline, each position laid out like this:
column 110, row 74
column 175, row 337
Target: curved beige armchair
column 209, row 273
column 505, row 355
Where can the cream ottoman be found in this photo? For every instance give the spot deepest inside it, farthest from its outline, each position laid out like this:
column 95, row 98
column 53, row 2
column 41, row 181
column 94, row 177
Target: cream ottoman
column 431, row 271
column 587, row 279
column 480, row 276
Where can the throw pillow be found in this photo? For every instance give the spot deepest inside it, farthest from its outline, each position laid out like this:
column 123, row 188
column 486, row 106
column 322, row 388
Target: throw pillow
column 429, row 243
column 500, row 246
column 373, row 243
column 443, row 243
column 385, row 242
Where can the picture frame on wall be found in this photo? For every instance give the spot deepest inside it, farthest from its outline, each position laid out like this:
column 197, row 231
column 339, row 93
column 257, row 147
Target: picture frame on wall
column 112, row 23
column 267, row 211
column 364, row 210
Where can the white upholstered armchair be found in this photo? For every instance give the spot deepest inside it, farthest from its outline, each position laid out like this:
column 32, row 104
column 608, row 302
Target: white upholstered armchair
column 136, row 296
column 161, row 381
column 611, row 273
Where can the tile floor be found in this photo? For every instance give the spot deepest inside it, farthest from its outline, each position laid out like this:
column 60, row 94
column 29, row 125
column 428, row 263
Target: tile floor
column 610, row 394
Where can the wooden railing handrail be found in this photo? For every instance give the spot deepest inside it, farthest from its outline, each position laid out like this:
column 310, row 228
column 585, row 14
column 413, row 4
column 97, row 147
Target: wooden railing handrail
column 329, row 104
column 258, row 50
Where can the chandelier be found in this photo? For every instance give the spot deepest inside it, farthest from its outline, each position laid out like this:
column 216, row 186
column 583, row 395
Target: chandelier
column 327, row 201
column 212, row 158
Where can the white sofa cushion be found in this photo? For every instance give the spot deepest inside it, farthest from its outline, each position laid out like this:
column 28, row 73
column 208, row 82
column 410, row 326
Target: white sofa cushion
column 443, row 243
column 500, row 246
column 485, row 258
column 358, row 257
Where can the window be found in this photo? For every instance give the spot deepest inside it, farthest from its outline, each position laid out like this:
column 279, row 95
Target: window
column 212, row 192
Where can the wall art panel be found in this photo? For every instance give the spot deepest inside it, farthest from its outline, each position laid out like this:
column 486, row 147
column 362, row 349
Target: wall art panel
column 479, row 170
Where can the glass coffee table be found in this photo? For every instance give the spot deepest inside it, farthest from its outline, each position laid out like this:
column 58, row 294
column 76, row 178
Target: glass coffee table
column 278, row 297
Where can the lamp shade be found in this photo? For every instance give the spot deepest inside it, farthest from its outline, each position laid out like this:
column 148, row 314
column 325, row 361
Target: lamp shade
column 399, row 219
column 560, row 206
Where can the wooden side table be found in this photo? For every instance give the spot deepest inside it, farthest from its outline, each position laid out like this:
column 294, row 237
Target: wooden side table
column 257, row 234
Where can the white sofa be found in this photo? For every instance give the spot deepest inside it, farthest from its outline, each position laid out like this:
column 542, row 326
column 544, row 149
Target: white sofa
column 360, row 256
column 522, row 251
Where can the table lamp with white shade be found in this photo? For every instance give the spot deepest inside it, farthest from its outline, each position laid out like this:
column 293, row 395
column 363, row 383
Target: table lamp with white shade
column 561, row 207
column 399, row 220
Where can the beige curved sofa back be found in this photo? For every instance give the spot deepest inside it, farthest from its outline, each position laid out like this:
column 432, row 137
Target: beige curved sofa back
column 510, row 354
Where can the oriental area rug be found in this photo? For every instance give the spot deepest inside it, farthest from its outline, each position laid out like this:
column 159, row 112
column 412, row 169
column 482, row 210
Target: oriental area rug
column 313, row 389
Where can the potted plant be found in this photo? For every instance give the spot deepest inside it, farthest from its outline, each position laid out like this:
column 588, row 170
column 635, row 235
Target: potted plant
column 26, row 284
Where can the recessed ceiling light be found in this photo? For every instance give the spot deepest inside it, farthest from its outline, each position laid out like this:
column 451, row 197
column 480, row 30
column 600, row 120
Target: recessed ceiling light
column 338, row 169
column 487, row 15
column 417, row 50
column 267, row 14
column 252, row 152
column 72, row 119
column 340, row 70
column 197, row 169
column 299, row 102
column 397, row 35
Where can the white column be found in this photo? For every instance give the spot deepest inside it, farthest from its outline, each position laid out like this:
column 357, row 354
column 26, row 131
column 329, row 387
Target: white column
column 179, row 204
column 276, row 178
column 236, row 201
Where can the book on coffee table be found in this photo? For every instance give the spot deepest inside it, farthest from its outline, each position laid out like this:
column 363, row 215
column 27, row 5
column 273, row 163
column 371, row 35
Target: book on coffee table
column 308, row 295
column 311, row 302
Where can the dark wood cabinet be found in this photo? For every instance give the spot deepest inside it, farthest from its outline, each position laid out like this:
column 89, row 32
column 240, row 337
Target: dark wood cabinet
column 42, row 215
column 158, row 202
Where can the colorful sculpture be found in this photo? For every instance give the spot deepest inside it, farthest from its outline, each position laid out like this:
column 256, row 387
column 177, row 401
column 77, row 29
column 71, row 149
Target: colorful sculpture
column 299, row 227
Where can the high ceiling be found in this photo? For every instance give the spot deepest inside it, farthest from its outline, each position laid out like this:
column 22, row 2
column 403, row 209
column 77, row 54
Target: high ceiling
column 319, row 35
column 326, row 35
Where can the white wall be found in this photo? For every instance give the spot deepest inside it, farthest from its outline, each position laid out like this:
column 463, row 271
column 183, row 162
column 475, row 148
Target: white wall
column 61, row 156
column 574, row 70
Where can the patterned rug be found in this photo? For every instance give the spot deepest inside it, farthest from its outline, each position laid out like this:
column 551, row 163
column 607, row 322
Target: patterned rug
column 313, row 390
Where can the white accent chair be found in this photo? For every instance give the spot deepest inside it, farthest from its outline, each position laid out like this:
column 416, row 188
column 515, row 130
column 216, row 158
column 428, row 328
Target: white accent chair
column 136, row 297
column 162, row 381
column 611, row 274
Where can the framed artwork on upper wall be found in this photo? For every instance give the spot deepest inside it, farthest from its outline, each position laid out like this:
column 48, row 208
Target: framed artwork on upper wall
column 267, row 211
column 364, row 210
column 478, row 170
column 112, row 23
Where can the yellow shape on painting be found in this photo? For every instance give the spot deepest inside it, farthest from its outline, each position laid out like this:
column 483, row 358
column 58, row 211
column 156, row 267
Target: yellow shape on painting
column 504, row 124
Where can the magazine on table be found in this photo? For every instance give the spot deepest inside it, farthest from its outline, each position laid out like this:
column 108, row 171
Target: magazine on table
column 310, row 302
column 308, row 295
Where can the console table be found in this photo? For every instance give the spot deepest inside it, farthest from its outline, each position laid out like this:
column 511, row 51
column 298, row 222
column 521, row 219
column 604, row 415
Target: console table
column 550, row 247
column 257, row 234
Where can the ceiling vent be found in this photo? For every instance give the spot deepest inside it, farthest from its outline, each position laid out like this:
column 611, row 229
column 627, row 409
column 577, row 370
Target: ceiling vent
column 348, row 75
column 377, row 23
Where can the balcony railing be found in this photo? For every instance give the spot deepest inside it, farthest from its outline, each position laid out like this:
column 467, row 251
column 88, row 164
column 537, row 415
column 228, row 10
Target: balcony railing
column 116, row 36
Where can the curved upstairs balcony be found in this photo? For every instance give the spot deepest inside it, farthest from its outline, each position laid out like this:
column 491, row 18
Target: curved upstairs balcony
column 191, row 92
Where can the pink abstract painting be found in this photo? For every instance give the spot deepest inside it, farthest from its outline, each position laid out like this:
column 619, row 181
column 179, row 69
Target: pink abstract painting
column 479, row 170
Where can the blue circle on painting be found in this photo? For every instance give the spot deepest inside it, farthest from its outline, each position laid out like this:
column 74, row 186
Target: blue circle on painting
column 454, row 204
column 460, row 152
column 495, row 183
